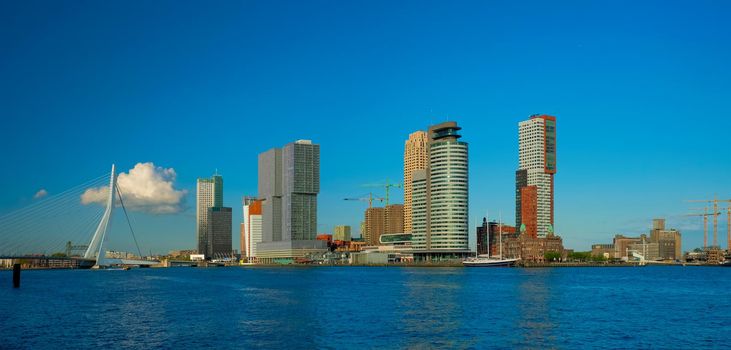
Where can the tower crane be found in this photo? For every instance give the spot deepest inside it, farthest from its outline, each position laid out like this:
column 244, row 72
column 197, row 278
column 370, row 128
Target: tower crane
column 705, row 216
column 388, row 185
column 368, row 199
column 715, row 215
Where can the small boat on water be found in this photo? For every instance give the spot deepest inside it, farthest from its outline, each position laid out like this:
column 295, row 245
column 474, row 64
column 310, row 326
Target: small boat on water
column 484, row 261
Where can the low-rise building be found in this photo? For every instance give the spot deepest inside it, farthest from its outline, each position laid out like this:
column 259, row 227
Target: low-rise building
column 278, row 252
column 531, row 249
column 650, row 251
column 622, row 243
column 668, row 240
column 605, row 251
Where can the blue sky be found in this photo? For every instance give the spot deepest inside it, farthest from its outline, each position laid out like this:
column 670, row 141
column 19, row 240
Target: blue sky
column 640, row 90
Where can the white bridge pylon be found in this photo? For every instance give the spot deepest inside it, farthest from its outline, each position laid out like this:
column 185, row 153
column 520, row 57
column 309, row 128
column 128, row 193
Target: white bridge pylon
column 96, row 246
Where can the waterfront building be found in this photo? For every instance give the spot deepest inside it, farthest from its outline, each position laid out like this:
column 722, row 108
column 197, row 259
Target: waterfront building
column 219, row 232
column 531, row 249
column 394, row 220
column 440, row 197
column 392, row 248
column 537, row 167
column 494, row 230
column 375, row 224
column 401, row 240
column 529, row 210
column 649, row 250
column 342, row 233
column 351, row 246
column 626, row 248
column 415, row 158
column 209, row 193
column 482, row 237
column 251, row 227
column 668, row 240
column 603, row 250
column 621, row 245
column 488, row 236
column 383, row 220
column 714, row 256
column 289, row 181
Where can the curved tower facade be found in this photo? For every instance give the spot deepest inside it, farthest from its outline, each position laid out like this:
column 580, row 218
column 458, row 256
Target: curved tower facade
column 448, row 180
column 440, row 199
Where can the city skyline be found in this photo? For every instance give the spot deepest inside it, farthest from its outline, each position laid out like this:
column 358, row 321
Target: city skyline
column 627, row 98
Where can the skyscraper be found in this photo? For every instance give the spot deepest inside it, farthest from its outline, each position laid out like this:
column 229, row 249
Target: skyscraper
column 415, row 158
column 251, row 231
column 440, row 197
column 219, row 232
column 537, row 167
column 209, row 193
column 289, row 181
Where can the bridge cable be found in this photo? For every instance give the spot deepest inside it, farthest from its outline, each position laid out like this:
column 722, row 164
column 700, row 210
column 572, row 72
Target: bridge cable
column 128, row 222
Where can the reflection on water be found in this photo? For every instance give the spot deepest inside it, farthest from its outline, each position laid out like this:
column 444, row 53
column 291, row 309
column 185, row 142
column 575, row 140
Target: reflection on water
column 372, row 308
column 535, row 322
column 432, row 310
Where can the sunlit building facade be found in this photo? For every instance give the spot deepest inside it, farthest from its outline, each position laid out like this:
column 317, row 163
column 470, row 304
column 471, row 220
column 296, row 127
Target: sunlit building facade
column 440, row 197
column 537, row 167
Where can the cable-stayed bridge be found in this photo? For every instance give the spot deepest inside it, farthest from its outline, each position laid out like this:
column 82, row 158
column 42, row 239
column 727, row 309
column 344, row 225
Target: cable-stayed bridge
column 74, row 224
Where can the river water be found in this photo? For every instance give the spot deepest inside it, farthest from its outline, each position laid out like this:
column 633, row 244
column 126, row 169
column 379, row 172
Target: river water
column 368, row 307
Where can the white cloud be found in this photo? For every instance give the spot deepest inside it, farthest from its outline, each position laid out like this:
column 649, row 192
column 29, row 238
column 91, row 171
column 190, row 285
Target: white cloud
column 144, row 188
column 40, row 194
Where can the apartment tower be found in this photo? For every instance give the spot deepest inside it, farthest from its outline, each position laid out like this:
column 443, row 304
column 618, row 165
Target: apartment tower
column 209, row 193
column 537, row 167
column 414, row 159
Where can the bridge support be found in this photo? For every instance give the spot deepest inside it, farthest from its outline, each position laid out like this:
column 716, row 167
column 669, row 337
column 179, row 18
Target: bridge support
column 97, row 242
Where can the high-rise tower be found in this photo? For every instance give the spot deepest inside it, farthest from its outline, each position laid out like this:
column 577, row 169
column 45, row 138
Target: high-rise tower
column 289, row 181
column 251, row 227
column 537, row 167
column 415, row 158
column 440, row 197
column 209, row 193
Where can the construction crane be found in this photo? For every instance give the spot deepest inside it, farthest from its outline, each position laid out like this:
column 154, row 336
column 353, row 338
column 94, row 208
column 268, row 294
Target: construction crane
column 715, row 214
column 368, row 199
column 705, row 216
column 388, row 186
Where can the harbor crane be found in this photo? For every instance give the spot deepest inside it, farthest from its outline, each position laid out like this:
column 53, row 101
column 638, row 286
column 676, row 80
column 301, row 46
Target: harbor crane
column 715, row 215
column 388, row 185
column 368, row 199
